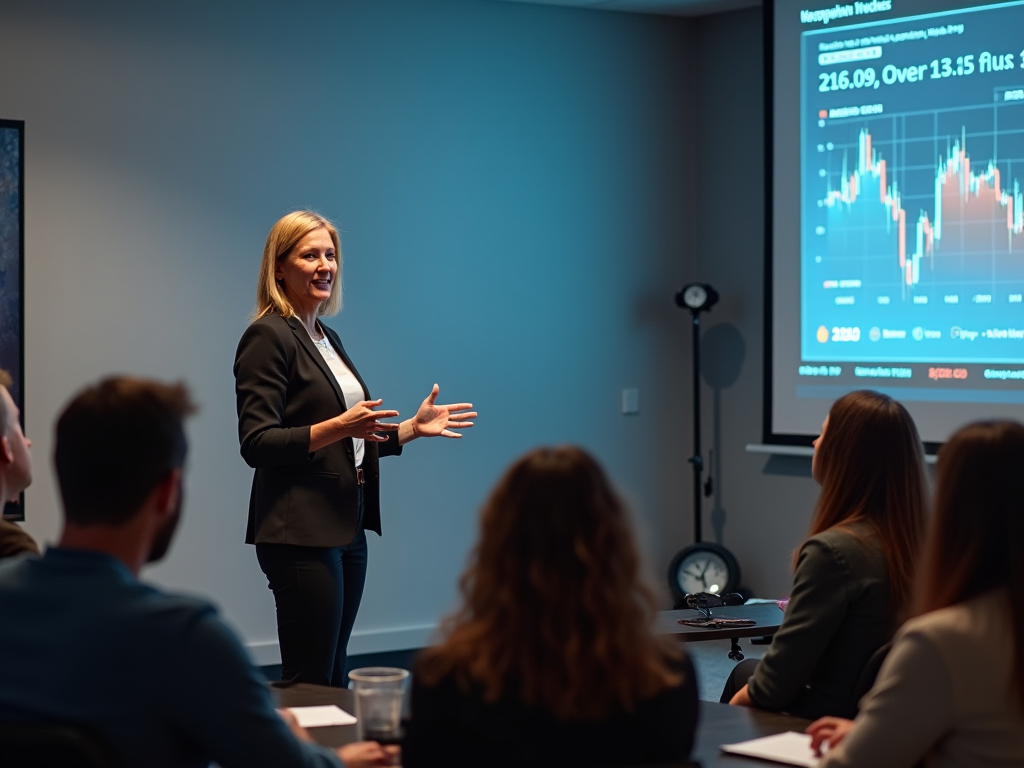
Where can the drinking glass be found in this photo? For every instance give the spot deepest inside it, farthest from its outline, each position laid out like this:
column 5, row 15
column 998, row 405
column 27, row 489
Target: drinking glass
column 379, row 692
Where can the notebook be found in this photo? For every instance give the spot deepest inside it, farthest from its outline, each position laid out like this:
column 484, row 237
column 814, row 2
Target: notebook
column 789, row 748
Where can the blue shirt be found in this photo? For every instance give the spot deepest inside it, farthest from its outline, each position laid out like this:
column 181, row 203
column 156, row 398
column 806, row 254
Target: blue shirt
column 159, row 678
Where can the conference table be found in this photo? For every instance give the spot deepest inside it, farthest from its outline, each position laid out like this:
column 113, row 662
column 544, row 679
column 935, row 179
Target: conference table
column 767, row 615
column 719, row 724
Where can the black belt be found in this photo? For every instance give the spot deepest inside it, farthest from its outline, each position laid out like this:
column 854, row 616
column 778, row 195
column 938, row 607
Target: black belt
column 360, row 476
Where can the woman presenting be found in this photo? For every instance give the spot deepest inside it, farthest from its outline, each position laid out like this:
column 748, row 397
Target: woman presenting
column 308, row 427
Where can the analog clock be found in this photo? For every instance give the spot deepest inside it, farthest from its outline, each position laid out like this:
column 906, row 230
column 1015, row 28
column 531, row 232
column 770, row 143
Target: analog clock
column 705, row 567
column 697, row 297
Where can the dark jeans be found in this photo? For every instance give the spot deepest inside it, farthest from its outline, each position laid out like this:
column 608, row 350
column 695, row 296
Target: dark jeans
column 317, row 591
column 739, row 676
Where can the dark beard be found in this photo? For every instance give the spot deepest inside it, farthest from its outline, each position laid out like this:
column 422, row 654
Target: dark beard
column 163, row 539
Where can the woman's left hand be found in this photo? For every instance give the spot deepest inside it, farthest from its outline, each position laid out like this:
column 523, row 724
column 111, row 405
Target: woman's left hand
column 433, row 420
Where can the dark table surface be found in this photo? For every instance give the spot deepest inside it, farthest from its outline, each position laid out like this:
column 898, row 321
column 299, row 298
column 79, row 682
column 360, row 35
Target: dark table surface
column 719, row 723
column 767, row 615
column 722, row 724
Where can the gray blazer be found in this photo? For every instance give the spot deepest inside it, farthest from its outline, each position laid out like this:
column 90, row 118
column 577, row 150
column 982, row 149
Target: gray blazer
column 283, row 387
column 840, row 612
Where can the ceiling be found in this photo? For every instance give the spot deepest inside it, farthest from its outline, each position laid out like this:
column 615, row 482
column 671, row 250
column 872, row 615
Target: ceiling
column 667, row 7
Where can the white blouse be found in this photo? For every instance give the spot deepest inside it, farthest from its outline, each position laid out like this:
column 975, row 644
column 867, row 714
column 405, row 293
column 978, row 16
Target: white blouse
column 350, row 386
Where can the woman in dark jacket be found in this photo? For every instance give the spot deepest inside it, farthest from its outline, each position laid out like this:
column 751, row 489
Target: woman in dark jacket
column 307, row 425
column 854, row 571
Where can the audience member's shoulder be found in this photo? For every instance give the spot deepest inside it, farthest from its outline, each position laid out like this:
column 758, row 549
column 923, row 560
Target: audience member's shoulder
column 835, row 536
column 446, row 682
column 167, row 614
column 681, row 662
column 14, row 570
column 985, row 616
column 854, row 540
column 15, row 541
column 823, row 547
column 682, row 665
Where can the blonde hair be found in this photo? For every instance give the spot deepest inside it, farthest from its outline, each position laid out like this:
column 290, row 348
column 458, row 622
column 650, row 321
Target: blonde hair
column 283, row 236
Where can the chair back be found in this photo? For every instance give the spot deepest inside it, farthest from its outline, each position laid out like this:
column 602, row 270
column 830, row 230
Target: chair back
column 35, row 745
column 870, row 672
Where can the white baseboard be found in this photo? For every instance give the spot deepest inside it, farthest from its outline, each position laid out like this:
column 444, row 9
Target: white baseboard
column 363, row 641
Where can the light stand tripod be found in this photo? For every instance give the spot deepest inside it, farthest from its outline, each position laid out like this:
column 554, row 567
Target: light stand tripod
column 697, row 298
column 697, row 460
column 702, row 566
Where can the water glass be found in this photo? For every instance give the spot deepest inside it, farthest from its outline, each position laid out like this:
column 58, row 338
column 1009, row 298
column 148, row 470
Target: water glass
column 379, row 692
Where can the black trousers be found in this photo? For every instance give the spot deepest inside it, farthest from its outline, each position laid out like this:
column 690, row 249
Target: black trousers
column 317, row 591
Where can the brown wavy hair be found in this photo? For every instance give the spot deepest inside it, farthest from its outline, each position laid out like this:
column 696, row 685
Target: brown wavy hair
column 976, row 540
column 554, row 610
column 871, row 468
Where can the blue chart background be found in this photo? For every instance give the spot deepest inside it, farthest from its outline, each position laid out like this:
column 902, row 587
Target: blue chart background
column 919, row 123
column 10, row 256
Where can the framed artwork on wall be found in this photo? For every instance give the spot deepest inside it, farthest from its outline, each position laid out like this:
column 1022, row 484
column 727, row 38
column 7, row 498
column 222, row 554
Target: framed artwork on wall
column 12, row 270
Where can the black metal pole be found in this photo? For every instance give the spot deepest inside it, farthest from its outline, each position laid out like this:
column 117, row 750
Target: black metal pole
column 697, row 460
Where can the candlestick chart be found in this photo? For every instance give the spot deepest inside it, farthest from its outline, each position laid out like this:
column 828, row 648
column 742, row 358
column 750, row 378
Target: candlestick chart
column 971, row 213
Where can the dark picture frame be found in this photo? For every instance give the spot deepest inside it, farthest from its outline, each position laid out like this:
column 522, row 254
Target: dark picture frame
column 12, row 271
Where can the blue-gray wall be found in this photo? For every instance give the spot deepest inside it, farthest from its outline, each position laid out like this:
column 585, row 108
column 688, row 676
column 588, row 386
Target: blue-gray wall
column 762, row 506
column 516, row 189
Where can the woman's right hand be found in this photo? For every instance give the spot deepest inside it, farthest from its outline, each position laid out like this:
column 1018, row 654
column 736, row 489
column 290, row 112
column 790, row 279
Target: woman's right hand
column 366, row 754
column 363, row 422
column 828, row 729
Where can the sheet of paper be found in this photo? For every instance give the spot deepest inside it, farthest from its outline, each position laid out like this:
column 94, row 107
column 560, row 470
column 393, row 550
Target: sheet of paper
column 316, row 717
column 791, row 748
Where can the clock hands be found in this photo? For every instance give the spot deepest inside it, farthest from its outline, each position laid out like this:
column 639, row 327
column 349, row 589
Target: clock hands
column 701, row 575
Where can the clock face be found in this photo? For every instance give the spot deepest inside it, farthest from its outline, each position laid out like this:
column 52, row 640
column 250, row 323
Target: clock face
column 703, row 571
column 695, row 296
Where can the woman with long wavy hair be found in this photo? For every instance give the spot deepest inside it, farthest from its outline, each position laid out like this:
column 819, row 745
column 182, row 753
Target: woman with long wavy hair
column 951, row 692
column 854, row 571
column 552, row 658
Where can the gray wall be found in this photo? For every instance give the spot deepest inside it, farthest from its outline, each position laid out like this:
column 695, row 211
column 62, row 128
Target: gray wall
column 762, row 506
column 516, row 191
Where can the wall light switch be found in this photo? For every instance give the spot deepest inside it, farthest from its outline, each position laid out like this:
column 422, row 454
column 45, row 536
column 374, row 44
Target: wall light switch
column 630, row 401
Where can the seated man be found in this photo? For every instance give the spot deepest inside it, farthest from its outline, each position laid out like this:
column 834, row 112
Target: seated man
column 160, row 679
column 15, row 471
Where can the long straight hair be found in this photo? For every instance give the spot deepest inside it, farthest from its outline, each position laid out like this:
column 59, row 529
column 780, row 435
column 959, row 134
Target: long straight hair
column 871, row 466
column 976, row 539
column 283, row 236
column 554, row 610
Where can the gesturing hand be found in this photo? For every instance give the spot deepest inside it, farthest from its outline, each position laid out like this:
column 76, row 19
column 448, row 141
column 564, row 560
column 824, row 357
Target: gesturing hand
column 830, row 729
column 362, row 421
column 432, row 420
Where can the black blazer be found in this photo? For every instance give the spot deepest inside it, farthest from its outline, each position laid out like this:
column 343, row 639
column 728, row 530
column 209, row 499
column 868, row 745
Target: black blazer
column 282, row 387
